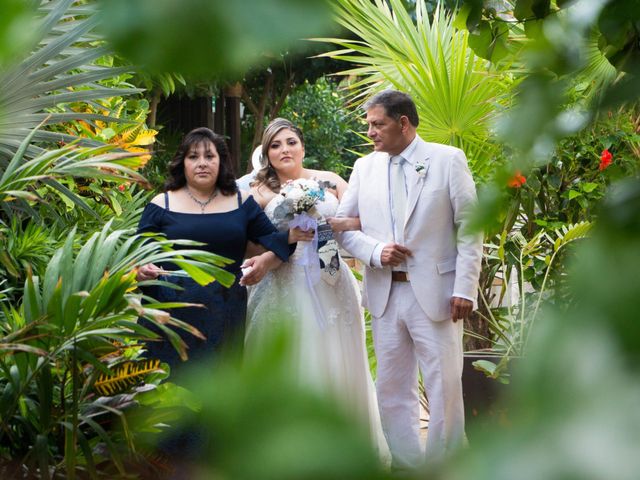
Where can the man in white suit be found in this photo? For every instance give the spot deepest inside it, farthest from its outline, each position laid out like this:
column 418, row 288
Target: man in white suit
column 421, row 277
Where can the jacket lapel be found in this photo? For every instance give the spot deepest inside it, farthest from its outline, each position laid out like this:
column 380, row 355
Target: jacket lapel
column 415, row 179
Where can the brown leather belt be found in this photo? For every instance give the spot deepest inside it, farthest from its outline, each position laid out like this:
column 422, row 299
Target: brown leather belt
column 399, row 276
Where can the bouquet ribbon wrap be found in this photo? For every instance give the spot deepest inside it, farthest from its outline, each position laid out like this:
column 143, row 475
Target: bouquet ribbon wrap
column 310, row 261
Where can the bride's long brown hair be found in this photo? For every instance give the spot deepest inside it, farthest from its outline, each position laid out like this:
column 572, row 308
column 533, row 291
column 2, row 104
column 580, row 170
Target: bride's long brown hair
column 267, row 175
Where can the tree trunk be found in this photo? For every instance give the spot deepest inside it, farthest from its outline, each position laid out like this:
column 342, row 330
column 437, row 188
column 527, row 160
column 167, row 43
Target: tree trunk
column 218, row 118
column 233, row 130
column 277, row 105
column 259, row 113
column 182, row 114
column 153, row 108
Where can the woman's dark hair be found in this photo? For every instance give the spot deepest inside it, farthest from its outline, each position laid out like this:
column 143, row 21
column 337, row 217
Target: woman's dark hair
column 267, row 175
column 395, row 104
column 226, row 181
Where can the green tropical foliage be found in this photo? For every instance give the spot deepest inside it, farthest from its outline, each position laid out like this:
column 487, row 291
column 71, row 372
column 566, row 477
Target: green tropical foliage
column 62, row 60
column 571, row 185
column 330, row 130
column 458, row 95
column 68, row 330
column 533, row 266
column 38, row 94
column 21, row 178
column 209, row 38
column 70, row 300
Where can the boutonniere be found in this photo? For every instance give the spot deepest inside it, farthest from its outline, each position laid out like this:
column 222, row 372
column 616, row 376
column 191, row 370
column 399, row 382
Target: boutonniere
column 421, row 168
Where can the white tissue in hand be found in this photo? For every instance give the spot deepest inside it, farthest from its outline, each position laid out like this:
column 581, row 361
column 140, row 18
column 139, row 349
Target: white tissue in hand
column 246, row 270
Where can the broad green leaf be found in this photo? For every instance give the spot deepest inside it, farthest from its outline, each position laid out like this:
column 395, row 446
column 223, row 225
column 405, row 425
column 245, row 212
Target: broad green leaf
column 574, row 194
column 232, row 36
column 485, row 366
column 588, row 187
column 523, row 10
column 71, row 312
column 32, row 301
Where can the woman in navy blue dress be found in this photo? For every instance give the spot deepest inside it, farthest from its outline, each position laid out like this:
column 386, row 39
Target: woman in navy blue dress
column 202, row 203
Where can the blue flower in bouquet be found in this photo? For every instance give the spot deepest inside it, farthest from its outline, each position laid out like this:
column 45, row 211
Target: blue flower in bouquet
column 304, row 193
column 300, row 196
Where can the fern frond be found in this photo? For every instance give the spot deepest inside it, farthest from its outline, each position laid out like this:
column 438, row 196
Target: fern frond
column 569, row 233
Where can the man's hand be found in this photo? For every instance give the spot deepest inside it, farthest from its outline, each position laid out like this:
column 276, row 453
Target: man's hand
column 460, row 308
column 344, row 224
column 394, row 254
column 299, row 235
column 148, row 272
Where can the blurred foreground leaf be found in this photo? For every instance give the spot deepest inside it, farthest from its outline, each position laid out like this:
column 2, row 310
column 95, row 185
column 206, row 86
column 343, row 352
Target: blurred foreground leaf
column 607, row 286
column 208, row 38
column 573, row 411
column 262, row 423
column 17, row 28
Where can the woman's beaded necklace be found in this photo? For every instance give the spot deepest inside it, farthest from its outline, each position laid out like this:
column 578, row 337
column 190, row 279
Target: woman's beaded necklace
column 203, row 204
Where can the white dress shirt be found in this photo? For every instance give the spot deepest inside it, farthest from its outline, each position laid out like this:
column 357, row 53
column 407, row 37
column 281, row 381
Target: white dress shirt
column 407, row 154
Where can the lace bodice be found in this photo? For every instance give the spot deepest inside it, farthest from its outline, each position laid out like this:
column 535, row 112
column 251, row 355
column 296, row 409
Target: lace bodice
column 326, row 208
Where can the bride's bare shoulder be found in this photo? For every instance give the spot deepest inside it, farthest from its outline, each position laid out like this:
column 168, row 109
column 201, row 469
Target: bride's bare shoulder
column 324, row 175
column 262, row 195
column 332, row 178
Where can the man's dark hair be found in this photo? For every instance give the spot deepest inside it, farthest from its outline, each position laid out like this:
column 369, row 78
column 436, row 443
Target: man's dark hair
column 395, row 104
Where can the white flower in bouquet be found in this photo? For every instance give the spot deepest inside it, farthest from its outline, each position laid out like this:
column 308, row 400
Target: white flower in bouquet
column 295, row 194
column 300, row 196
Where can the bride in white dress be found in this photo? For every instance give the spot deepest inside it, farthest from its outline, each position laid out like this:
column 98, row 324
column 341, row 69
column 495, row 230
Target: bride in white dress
column 323, row 315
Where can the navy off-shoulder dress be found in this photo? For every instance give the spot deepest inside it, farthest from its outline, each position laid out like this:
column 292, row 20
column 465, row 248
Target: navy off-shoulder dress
column 222, row 319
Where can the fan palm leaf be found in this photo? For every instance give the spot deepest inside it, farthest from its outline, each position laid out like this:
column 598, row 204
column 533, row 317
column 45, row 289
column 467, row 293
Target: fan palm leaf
column 60, row 69
column 597, row 73
column 457, row 94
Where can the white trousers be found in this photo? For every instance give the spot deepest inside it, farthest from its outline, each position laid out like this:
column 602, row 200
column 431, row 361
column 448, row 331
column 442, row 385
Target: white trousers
column 405, row 339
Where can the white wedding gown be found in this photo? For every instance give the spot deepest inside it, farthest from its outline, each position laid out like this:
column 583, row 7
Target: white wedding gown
column 327, row 324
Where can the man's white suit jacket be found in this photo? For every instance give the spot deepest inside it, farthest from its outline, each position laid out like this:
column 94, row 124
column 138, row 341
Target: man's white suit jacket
column 446, row 260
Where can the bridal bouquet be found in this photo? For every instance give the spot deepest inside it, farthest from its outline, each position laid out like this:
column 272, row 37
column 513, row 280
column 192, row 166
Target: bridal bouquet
column 297, row 209
column 300, row 196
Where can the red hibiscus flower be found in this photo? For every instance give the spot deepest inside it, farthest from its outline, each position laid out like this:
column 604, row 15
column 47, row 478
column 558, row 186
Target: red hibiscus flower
column 121, row 187
column 605, row 159
column 517, row 180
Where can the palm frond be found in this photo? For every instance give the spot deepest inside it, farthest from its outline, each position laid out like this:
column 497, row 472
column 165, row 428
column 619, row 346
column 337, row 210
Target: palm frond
column 598, row 73
column 458, row 95
column 60, row 69
column 570, row 233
